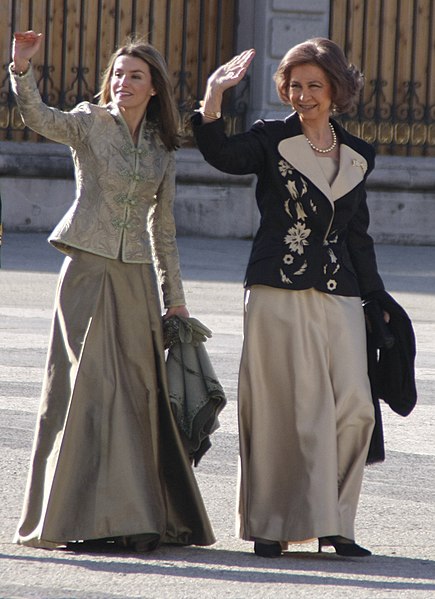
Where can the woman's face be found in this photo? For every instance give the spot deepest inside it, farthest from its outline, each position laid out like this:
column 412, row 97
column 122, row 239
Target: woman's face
column 131, row 86
column 310, row 92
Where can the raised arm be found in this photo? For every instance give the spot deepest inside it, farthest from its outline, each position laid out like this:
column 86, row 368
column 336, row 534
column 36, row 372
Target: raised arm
column 70, row 127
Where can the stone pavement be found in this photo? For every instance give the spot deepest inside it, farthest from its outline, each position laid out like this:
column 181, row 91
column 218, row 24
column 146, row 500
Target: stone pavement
column 396, row 517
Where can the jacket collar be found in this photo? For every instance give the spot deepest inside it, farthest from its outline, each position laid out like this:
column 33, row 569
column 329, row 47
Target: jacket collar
column 113, row 109
column 296, row 151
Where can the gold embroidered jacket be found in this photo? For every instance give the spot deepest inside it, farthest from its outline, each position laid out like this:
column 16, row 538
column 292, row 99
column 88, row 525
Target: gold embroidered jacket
column 123, row 207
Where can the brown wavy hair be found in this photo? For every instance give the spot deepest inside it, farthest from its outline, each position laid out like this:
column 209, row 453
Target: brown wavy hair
column 162, row 109
column 345, row 79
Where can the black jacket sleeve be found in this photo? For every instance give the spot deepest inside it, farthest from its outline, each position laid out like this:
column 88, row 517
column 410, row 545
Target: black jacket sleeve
column 361, row 251
column 239, row 154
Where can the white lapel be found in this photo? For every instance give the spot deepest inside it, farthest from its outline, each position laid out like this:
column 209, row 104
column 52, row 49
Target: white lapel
column 298, row 153
column 353, row 167
column 351, row 171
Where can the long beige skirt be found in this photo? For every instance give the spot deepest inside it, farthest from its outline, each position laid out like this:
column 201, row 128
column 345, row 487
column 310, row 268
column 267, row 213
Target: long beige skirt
column 107, row 460
column 305, row 414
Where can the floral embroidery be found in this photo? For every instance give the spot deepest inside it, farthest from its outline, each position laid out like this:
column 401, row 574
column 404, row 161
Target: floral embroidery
column 332, row 267
column 332, row 256
column 298, row 234
column 284, row 168
column 297, row 238
column 287, row 207
column 300, row 211
column 330, row 239
column 302, row 269
column 284, row 277
column 291, row 186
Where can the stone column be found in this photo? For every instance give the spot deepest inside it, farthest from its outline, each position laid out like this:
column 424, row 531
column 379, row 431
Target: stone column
column 272, row 27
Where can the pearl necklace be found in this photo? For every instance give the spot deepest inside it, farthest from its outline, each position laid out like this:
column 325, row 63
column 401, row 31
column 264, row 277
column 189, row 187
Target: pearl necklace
column 331, row 147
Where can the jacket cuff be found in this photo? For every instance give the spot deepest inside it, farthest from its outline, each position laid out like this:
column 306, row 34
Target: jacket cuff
column 381, row 296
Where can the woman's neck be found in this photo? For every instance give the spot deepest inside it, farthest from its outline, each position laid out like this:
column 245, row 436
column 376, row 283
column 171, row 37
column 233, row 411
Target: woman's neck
column 133, row 120
column 317, row 131
column 321, row 136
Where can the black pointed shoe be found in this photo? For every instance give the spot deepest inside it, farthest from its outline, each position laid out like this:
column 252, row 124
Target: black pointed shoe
column 343, row 546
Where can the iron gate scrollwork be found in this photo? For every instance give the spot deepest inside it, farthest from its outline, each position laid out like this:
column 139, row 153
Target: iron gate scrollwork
column 392, row 41
column 194, row 36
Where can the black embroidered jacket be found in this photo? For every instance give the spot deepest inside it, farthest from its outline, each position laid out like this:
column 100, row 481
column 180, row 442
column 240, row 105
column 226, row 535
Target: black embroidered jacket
column 311, row 234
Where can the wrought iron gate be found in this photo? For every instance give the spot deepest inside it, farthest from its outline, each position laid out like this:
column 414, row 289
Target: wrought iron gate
column 193, row 35
column 392, row 41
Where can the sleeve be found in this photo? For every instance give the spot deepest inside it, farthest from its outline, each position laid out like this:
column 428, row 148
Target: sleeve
column 63, row 127
column 163, row 238
column 362, row 252
column 240, row 154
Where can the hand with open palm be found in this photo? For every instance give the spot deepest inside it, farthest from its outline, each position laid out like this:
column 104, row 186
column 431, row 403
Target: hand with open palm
column 25, row 45
column 226, row 76
column 231, row 73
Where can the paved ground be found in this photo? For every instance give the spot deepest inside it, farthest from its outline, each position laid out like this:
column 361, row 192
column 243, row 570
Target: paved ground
column 396, row 516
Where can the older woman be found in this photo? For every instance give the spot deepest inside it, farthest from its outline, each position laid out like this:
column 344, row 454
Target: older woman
column 305, row 408
column 108, row 468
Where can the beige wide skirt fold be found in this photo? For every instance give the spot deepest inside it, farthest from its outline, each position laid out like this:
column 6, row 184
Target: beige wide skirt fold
column 305, row 414
column 107, row 460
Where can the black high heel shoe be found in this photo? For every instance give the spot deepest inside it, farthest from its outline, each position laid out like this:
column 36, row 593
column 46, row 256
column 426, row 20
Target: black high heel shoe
column 343, row 546
column 272, row 549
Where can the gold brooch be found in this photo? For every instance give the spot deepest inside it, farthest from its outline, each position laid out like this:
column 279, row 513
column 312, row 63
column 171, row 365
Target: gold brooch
column 360, row 164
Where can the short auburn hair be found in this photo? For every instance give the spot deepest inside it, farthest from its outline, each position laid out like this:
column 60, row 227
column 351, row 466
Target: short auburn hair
column 345, row 79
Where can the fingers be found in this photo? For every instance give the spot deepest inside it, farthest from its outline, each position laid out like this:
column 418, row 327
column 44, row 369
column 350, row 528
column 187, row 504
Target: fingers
column 237, row 67
column 26, row 36
column 229, row 74
column 27, row 39
column 240, row 62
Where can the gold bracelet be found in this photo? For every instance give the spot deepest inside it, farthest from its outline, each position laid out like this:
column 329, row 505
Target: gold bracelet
column 21, row 73
column 213, row 116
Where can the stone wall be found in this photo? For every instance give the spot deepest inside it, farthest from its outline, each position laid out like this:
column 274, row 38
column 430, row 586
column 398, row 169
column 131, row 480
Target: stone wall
column 401, row 199
column 272, row 27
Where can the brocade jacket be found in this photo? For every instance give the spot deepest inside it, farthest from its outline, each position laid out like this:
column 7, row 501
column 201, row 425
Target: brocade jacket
column 311, row 233
column 123, row 206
